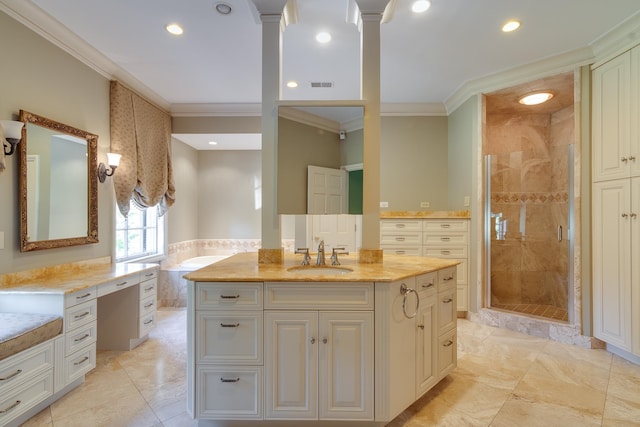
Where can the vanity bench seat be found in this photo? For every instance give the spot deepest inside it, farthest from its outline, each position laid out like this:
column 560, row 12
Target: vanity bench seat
column 21, row 331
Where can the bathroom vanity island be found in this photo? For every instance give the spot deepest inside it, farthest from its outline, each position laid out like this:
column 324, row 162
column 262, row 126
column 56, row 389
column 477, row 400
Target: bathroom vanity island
column 291, row 345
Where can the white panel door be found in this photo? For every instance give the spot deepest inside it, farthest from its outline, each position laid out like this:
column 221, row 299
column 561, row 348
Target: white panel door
column 326, row 190
column 337, row 231
column 426, row 356
column 612, row 262
column 291, row 364
column 346, row 365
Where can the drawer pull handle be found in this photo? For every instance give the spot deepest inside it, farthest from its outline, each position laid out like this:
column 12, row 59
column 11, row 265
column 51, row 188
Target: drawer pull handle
column 324, row 340
column 150, row 288
column 149, row 305
column 229, row 325
column 400, row 252
column 430, row 285
column 445, row 252
column 148, row 322
column 16, row 373
column 80, row 362
column 421, row 327
column 80, row 316
column 227, row 380
column 445, row 239
column 445, row 225
column 449, row 343
column 400, row 225
column 82, row 338
column 4, row 411
column 447, row 301
column 229, row 296
column 400, row 239
column 447, row 279
column 313, row 340
column 88, row 294
column 149, row 275
column 121, row 284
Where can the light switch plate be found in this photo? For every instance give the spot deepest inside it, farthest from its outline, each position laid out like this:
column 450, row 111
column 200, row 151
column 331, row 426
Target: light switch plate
column 466, row 201
column 1, row 239
column 384, row 204
column 425, row 204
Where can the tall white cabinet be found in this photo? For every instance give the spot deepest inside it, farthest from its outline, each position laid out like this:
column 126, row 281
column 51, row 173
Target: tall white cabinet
column 616, row 201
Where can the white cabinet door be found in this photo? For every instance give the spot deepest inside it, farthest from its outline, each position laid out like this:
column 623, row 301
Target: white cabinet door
column 635, row 266
column 426, row 355
column 611, row 119
column 612, row 262
column 346, row 365
column 291, row 363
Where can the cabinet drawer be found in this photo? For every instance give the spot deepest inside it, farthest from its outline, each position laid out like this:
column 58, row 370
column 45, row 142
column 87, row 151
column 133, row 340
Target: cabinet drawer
column 149, row 274
column 426, row 284
column 228, row 392
column 147, row 306
column 146, row 324
column 400, row 225
column 227, row 337
column 447, row 353
column 148, row 288
column 445, row 251
column 447, row 310
column 80, row 296
column 80, row 337
column 22, row 398
column 79, row 363
column 402, row 250
column 319, row 296
column 236, row 296
column 117, row 284
column 444, row 239
column 401, row 239
column 447, row 278
column 20, row 367
column 80, row 314
column 445, row 225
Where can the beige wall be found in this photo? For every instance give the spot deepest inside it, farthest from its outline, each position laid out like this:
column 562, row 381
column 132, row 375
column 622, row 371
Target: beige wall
column 414, row 163
column 460, row 154
column 182, row 218
column 227, row 184
column 44, row 80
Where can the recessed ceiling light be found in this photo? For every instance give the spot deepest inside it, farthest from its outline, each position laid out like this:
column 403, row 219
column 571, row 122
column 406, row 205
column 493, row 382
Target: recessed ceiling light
column 511, row 25
column 535, row 98
column 223, row 8
column 323, row 37
column 420, row 6
column 213, row 143
column 292, row 84
column 174, row 29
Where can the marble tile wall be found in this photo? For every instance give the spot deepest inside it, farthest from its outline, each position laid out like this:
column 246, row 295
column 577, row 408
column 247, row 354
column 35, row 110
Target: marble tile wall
column 529, row 184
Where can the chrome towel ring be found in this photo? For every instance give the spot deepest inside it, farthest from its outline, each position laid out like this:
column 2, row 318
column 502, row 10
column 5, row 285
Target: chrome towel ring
column 404, row 291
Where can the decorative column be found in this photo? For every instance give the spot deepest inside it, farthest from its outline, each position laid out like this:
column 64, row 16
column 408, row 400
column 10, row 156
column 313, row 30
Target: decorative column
column 371, row 15
column 270, row 12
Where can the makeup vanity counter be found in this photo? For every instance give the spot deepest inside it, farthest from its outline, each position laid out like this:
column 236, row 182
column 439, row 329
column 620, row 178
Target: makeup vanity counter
column 102, row 306
column 285, row 345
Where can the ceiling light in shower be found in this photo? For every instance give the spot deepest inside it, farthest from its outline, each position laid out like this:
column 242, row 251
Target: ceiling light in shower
column 223, row 8
column 174, row 29
column 511, row 25
column 535, row 98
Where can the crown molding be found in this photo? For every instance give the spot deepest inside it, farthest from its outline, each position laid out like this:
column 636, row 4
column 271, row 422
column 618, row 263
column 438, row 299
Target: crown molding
column 34, row 18
column 412, row 109
column 216, row 110
column 619, row 39
column 546, row 67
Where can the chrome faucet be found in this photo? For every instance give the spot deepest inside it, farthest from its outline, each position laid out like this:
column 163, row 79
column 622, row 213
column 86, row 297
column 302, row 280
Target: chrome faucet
column 305, row 252
column 335, row 253
column 321, row 253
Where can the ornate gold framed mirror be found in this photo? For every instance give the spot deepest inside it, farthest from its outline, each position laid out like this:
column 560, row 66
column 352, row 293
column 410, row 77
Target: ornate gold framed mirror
column 58, row 184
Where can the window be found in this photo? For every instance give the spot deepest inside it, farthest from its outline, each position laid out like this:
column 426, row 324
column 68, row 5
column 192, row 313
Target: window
column 140, row 235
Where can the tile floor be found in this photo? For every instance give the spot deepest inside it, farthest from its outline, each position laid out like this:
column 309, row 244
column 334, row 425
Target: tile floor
column 503, row 378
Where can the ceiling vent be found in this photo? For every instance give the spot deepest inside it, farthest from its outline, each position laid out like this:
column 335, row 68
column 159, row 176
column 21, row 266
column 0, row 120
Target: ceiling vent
column 321, row 84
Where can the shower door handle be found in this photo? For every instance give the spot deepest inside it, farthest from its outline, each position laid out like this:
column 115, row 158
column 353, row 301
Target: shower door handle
column 559, row 233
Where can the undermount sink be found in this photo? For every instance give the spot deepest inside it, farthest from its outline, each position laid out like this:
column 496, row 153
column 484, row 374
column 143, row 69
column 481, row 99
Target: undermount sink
column 319, row 270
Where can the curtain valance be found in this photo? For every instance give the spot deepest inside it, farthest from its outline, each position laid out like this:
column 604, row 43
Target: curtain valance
column 141, row 133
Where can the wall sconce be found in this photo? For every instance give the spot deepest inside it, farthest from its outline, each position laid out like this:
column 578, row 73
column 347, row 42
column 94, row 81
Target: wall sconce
column 114, row 160
column 12, row 131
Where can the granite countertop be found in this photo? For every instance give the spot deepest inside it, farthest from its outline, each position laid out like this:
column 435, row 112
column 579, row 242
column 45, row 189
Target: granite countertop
column 245, row 268
column 68, row 278
column 425, row 214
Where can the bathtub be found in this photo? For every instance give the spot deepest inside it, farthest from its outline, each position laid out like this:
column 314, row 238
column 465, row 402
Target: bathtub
column 198, row 262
